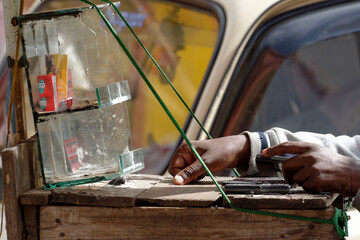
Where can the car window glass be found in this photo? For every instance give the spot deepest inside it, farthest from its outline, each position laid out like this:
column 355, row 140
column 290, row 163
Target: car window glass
column 315, row 89
column 298, row 71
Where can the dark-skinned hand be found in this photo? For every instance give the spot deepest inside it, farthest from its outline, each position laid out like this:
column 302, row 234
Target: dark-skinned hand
column 317, row 168
column 218, row 154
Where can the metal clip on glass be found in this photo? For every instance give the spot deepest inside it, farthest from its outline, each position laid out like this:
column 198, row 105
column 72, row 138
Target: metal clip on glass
column 78, row 97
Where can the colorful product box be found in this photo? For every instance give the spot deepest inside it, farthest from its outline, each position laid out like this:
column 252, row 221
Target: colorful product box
column 47, row 93
column 57, row 64
column 63, row 105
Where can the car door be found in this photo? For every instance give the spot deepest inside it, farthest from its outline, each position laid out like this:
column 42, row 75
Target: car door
column 299, row 71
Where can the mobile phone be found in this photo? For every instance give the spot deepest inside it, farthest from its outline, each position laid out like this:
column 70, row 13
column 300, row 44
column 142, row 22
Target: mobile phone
column 274, row 159
column 257, row 180
column 264, row 188
column 257, row 185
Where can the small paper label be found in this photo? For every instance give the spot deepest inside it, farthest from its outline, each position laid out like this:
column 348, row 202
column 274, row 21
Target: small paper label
column 71, row 148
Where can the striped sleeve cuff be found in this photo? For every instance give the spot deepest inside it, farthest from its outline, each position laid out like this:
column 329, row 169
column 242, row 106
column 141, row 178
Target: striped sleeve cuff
column 258, row 142
column 263, row 140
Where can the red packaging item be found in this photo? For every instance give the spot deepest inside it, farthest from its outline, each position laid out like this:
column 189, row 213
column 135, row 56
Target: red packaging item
column 71, row 147
column 63, row 105
column 47, row 93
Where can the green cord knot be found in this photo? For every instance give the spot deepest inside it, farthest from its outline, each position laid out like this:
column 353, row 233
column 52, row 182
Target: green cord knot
column 340, row 221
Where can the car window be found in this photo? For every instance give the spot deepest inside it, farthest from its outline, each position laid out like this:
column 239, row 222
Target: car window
column 300, row 72
column 182, row 40
column 315, row 89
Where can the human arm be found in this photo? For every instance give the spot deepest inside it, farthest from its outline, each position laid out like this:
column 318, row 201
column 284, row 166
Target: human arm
column 344, row 145
column 240, row 151
column 255, row 142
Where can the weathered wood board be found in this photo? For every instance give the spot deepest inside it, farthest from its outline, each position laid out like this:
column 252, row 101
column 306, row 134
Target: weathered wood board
column 150, row 190
column 60, row 222
column 104, row 211
column 200, row 194
column 94, row 194
column 31, row 223
column 16, row 181
column 34, row 163
column 283, row 201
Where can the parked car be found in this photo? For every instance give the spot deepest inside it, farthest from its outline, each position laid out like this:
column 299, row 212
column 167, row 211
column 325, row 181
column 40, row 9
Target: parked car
column 241, row 65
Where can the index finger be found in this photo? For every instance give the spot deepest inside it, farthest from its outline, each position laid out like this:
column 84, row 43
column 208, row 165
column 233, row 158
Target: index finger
column 182, row 158
column 287, row 147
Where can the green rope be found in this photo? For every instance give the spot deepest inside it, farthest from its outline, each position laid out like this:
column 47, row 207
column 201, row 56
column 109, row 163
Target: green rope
column 163, row 74
column 340, row 218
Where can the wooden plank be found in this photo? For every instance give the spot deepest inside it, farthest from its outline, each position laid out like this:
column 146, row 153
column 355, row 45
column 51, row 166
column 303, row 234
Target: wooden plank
column 283, row 201
column 36, row 196
column 146, row 190
column 94, row 194
column 16, row 181
column 205, row 193
column 58, row 222
column 200, row 194
column 34, row 163
column 103, row 194
column 11, row 12
column 31, row 222
column 20, row 118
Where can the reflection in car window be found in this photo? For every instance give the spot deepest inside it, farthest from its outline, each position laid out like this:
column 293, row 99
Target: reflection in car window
column 315, row 89
column 182, row 40
column 301, row 72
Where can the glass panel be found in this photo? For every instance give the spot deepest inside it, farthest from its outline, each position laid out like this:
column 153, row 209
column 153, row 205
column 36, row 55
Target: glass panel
column 83, row 143
column 118, row 93
column 78, row 49
column 316, row 89
column 281, row 55
column 72, row 59
column 113, row 93
column 131, row 162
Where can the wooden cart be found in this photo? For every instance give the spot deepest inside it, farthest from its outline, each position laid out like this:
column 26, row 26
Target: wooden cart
column 148, row 207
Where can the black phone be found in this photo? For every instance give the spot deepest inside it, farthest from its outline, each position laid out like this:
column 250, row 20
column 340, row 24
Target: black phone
column 257, row 185
column 274, row 159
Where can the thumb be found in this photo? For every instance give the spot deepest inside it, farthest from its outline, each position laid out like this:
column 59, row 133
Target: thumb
column 189, row 174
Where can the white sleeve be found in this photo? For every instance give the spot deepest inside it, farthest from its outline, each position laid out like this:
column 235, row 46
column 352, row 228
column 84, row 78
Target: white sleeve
column 344, row 145
column 256, row 145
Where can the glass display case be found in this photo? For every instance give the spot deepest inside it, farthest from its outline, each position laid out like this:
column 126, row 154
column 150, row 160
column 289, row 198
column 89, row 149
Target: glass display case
column 78, row 96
